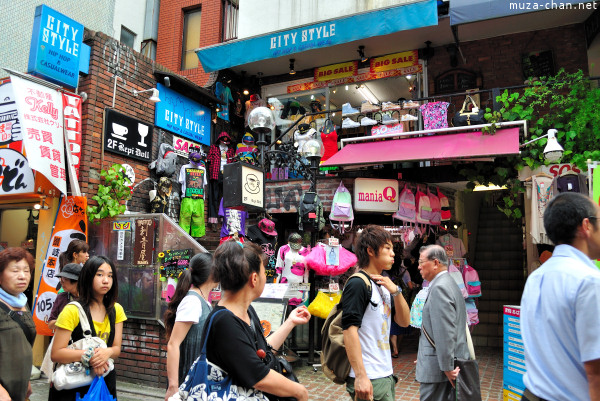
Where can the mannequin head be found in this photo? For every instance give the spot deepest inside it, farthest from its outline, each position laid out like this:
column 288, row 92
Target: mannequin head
column 248, row 139
column 196, row 156
column 295, row 241
column 164, row 186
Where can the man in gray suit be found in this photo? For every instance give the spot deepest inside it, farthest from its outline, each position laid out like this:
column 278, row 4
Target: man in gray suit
column 444, row 320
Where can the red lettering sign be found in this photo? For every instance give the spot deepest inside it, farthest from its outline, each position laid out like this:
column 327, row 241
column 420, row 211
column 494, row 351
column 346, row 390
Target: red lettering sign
column 72, row 123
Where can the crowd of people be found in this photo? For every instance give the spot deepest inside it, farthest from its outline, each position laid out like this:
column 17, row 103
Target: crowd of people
column 367, row 316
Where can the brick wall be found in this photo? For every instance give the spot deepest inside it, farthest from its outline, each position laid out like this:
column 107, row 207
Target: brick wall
column 170, row 34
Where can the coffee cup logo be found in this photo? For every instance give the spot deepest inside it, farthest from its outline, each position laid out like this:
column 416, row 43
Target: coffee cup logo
column 119, row 131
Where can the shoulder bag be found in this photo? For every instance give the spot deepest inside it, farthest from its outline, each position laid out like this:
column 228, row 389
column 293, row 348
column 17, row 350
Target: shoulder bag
column 467, row 386
column 73, row 375
column 465, row 117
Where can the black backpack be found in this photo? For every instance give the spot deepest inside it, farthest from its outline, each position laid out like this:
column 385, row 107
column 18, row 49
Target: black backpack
column 310, row 211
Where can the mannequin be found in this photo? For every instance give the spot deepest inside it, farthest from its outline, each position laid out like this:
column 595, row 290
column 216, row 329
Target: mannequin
column 160, row 203
column 219, row 154
column 192, row 178
column 254, row 102
column 247, row 151
column 290, row 261
column 234, row 223
column 303, row 134
column 224, row 93
column 265, row 235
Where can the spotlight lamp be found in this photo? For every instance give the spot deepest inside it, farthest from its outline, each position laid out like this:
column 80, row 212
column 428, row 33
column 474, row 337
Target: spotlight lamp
column 361, row 53
column 153, row 98
column 553, row 152
column 292, row 70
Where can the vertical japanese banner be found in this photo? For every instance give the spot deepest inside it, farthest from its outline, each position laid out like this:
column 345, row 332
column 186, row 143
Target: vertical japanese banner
column 596, row 194
column 72, row 119
column 70, row 224
column 41, row 115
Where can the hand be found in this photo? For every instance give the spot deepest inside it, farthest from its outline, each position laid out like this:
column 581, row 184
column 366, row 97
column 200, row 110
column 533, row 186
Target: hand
column 101, row 370
column 452, row 375
column 100, row 357
column 300, row 315
column 4, row 396
column 363, row 388
column 386, row 282
column 171, row 390
column 29, row 390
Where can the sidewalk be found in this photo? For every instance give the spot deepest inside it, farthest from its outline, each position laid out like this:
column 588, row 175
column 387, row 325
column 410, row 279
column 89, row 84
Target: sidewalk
column 322, row 389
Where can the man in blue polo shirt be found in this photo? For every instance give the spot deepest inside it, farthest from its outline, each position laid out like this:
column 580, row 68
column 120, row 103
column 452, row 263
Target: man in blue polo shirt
column 560, row 307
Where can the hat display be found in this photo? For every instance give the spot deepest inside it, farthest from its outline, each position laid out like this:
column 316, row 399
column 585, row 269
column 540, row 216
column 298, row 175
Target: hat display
column 70, row 271
column 267, row 227
column 295, row 241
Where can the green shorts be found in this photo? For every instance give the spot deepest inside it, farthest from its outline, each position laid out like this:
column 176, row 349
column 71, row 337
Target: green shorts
column 384, row 388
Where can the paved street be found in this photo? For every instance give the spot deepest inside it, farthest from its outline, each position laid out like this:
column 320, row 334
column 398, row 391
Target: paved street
column 321, row 389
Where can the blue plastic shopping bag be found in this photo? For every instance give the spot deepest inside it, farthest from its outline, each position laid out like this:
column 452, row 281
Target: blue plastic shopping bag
column 97, row 392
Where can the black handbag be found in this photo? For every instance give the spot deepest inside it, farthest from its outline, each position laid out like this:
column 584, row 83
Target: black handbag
column 467, row 386
column 465, row 117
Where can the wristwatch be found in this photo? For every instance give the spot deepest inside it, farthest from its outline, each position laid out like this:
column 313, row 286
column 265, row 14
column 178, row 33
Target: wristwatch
column 398, row 291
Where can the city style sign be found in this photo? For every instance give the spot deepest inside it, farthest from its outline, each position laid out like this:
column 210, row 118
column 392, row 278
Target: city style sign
column 127, row 136
column 395, row 61
column 55, row 47
column 372, row 195
column 182, row 116
column 325, row 34
column 335, row 71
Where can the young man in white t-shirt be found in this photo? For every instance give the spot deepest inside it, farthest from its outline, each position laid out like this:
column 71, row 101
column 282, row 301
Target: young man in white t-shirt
column 366, row 318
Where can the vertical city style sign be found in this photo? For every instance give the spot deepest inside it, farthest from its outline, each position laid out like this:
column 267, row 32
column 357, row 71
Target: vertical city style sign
column 127, row 136
column 55, row 47
column 182, row 116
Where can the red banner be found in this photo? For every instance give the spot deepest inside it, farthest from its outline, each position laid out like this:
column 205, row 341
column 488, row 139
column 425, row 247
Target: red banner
column 70, row 224
column 72, row 122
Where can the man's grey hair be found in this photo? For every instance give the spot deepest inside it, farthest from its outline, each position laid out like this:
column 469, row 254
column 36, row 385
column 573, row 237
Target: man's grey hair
column 435, row 252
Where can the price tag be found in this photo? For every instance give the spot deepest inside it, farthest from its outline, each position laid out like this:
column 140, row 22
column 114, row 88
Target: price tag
column 334, row 241
column 334, row 287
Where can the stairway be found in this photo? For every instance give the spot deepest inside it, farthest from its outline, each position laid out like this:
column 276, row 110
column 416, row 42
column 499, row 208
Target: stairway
column 499, row 262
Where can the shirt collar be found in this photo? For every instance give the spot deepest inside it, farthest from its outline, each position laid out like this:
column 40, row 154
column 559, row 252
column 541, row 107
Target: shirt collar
column 565, row 250
column 437, row 275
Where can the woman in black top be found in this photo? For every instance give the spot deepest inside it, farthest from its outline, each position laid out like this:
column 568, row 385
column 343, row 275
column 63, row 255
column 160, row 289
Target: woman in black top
column 236, row 342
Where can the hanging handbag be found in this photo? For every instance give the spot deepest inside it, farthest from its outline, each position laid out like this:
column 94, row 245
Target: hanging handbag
column 467, row 386
column 465, row 117
column 74, row 374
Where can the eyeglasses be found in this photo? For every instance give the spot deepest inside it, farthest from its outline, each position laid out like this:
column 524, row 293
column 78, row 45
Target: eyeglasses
column 426, row 260
column 593, row 218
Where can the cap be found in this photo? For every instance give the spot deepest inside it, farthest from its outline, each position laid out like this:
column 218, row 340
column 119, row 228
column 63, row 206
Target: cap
column 71, row 271
column 295, row 241
column 267, row 227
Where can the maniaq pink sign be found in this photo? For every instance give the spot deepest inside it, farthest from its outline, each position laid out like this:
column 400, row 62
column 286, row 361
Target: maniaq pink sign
column 41, row 115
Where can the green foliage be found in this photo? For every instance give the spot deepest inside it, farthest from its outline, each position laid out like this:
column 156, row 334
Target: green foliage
column 111, row 194
column 566, row 102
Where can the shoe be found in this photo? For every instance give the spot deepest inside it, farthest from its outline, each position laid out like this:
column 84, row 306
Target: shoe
column 387, row 120
column 385, row 106
column 348, row 123
column 348, row 110
column 410, row 104
column 409, row 117
column 368, row 107
column 366, row 121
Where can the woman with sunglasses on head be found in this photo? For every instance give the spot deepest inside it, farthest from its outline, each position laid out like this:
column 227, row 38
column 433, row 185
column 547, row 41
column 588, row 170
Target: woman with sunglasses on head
column 98, row 291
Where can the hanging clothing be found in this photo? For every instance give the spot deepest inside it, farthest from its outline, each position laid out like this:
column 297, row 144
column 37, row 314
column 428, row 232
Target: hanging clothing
column 570, row 183
column 191, row 217
column 290, row 264
column 541, row 194
column 234, row 221
column 216, row 160
column 454, row 246
column 268, row 243
column 192, row 178
column 330, row 144
column 435, row 115
column 224, row 93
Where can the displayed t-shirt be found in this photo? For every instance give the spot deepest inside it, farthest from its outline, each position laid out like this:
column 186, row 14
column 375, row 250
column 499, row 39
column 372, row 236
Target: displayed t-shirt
column 223, row 149
column 69, row 319
column 268, row 243
column 454, row 246
column 193, row 181
column 435, row 115
column 330, row 144
column 189, row 309
column 542, row 193
column 234, row 221
column 291, row 263
column 228, row 332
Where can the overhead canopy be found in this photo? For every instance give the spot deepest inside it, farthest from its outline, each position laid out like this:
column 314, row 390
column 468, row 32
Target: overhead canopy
column 436, row 147
column 324, row 34
column 466, row 11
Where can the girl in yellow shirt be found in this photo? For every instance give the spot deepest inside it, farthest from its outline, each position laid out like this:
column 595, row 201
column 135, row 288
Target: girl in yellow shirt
column 98, row 292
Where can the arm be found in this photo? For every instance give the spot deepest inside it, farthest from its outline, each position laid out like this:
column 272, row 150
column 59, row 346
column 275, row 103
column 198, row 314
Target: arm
column 60, row 353
column 101, row 355
column 276, row 384
column 592, row 371
column 363, row 388
column 52, row 324
column 298, row 316
column 4, row 396
column 180, row 330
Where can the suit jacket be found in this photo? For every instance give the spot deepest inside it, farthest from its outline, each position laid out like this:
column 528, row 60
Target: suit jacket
column 445, row 319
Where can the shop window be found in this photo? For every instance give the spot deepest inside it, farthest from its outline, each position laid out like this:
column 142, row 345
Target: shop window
column 191, row 39
column 230, row 19
column 127, row 37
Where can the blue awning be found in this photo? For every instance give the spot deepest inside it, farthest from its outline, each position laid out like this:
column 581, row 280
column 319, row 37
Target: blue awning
column 466, row 11
column 323, row 34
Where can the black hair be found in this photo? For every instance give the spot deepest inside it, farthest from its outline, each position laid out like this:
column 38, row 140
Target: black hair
column 199, row 271
column 74, row 246
column 234, row 264
column 85, row 284
column 565, row 213
column 374, row 237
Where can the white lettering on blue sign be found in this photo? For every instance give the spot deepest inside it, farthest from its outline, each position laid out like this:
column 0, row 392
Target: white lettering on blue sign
column 64, row 33
column 306, row 35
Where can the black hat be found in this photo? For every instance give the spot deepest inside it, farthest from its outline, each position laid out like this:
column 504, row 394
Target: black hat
column 71, row 271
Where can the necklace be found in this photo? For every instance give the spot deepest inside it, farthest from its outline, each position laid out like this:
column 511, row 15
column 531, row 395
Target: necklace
column 201, row 293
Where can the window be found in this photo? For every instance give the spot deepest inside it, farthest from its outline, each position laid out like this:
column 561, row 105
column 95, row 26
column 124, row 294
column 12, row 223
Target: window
column 127, row 37
column 191, row 39
column 230, row 19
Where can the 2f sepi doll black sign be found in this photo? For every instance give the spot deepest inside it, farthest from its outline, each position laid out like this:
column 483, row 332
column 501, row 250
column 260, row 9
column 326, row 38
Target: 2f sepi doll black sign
column 127, row 136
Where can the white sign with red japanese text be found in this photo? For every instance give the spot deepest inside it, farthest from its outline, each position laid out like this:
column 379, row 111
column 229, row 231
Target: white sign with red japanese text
column 41, row 114
column 375, row 195
column 72, row 115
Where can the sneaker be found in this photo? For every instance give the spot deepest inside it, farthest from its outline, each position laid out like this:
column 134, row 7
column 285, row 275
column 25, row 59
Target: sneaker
column 409, row 117
column 348, row 123
column 348, row 110
column 366, row 121
column 387, row 120
column 410, row 104
column 390, row 106
column 368, row 107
